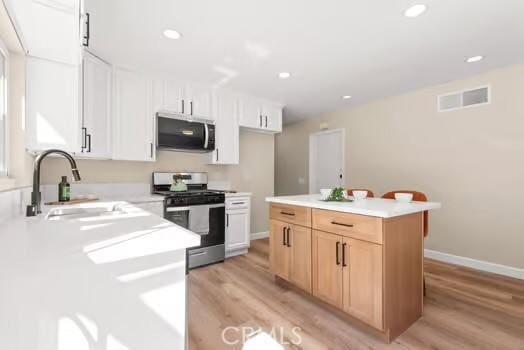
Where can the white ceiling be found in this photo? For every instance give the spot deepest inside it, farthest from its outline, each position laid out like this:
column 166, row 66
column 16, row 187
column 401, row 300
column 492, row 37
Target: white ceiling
column 363, row 48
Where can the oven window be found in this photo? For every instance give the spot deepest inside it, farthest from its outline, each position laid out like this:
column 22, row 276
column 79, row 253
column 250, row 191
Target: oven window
column 180, row 217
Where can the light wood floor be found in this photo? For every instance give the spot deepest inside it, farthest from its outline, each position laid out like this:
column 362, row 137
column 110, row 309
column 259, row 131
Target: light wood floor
column 463, row 309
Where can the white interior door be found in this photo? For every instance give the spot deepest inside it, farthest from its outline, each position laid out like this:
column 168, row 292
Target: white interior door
column 326, row 160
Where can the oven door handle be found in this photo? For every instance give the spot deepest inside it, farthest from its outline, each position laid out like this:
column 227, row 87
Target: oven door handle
column 211, row 206
column 175, row 209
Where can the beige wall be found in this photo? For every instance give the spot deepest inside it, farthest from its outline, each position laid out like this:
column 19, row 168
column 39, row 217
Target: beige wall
column 254, row 174
column 471, row 160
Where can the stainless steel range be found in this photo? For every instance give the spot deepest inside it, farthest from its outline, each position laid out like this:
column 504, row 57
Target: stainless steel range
column 197, row 209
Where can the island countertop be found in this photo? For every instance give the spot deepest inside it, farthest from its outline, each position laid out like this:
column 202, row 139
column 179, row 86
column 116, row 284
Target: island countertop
column 378, row 207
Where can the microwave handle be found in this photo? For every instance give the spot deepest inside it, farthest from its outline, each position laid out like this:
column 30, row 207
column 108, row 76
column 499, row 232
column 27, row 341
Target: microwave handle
column 206, row 136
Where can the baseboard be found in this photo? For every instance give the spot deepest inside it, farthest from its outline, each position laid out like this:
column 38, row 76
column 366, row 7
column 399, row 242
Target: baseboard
column 259, row 235
column 236, row 252
column 475, row 264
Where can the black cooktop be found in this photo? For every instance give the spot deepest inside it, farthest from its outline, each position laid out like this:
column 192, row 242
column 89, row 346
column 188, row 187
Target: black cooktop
column 194, row 197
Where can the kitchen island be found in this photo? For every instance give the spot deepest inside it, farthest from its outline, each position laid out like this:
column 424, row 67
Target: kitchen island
column 363, row 259
column 104, row 275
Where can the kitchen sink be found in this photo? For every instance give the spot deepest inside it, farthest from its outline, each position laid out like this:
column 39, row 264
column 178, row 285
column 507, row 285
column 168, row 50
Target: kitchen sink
column 72, row 213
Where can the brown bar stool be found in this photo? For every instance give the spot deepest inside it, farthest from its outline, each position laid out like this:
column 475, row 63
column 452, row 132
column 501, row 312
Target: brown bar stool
column 417, row 197
column 370, row 193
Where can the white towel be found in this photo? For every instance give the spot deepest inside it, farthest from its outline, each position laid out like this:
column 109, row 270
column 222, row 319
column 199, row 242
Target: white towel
column 199, row 219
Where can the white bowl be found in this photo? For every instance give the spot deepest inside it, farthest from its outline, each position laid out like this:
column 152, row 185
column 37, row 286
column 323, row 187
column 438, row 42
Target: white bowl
column 360, row 194
column 404, row 197
column 325, row 193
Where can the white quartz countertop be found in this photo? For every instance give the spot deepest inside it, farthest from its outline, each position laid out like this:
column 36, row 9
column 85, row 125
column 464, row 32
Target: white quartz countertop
column 384, row 208
column 135, row 199
column 69, row 282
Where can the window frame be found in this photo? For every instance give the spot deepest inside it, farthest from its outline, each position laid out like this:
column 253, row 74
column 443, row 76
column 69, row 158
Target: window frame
column 4, row 173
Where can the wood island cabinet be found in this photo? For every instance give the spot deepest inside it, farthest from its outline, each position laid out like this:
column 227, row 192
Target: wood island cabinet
column 369, row 268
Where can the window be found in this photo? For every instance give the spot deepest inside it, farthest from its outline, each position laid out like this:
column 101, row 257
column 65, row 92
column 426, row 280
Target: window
column 3, row 110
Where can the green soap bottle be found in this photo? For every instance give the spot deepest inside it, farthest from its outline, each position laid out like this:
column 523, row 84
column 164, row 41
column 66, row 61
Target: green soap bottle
column 64, row 190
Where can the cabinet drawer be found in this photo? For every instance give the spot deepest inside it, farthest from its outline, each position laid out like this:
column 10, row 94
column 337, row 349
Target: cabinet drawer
column 292, row 214
column 237, row 203
column 362, row 227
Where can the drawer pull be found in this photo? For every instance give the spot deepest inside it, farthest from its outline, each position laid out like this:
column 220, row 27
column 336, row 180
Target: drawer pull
column 286, row 213
column 238, row 203
column 344, row 255
column 336, row 248
column 341, row 224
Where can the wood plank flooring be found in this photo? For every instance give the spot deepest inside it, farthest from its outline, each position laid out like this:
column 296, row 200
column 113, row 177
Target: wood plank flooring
column 463, row 309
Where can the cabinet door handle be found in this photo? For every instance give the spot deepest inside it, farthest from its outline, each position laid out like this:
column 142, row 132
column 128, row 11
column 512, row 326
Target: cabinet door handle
column 260, row 118
column 266, row 121
column 344, row 254
column 217, row 155
column 191, row 107
column 151, row 149
column 286, row 213
column 88, row 136
column 336, row 248
column 341, row 224
column 283, row 236
column 288, row 244
column 227, row 220
column 182, row 106
column 87, row 35
column 84, row 137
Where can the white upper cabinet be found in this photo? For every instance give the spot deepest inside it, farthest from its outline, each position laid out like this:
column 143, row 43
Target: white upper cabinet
column 173, row 96
column 272, row 115
column 250, row 112
column 133, row 117
column 53, row 113
column 260, row 115
column 96, row 126
column 226, row 129
column 50, row 29
column 191, row 100
column 197, row 101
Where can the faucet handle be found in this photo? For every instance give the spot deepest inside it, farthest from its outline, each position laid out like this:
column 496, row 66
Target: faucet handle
column 30, row 210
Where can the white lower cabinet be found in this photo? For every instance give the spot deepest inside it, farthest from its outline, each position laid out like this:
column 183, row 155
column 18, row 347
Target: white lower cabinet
column 237, row 225
column 133, row 117
column 53, row 112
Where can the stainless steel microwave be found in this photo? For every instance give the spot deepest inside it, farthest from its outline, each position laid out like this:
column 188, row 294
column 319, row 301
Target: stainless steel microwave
column 180, row 134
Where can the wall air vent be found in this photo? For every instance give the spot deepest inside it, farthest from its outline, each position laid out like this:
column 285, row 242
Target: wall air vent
column 464, row 99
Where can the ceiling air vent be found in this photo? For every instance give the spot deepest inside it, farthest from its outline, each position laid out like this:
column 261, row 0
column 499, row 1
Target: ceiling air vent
column 464, row 99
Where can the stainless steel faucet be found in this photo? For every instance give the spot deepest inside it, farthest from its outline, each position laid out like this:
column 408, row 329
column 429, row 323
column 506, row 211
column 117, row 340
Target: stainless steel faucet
column 35, row 207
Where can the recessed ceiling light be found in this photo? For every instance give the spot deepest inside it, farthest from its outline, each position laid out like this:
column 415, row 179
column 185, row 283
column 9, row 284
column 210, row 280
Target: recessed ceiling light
column 172, row 34
column 474, row 59
column 346, row 97
column 415, row 10
column 284, row 75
